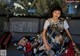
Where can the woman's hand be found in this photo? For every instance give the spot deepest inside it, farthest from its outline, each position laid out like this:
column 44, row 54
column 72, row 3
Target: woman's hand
column 48, row 47
column 69, row 35
column 73, row 43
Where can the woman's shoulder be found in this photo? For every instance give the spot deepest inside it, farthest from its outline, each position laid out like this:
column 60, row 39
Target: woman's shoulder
column 49, row 20
column 62, row 19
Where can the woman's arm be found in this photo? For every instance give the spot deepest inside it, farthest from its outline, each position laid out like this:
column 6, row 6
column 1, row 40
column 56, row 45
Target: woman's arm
column 69, row 35
column 45, row 40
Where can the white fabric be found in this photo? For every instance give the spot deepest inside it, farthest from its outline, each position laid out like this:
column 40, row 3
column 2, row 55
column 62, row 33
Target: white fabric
column 47, row 24
column 66, row 26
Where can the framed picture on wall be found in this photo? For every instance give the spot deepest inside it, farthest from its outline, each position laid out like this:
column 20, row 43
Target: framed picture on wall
column 72, row 0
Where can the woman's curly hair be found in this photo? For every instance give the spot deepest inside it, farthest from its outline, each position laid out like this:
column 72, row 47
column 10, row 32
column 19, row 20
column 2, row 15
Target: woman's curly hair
column 55, row 8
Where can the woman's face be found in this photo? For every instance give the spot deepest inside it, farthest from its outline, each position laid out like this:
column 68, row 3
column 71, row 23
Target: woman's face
column 56, row 13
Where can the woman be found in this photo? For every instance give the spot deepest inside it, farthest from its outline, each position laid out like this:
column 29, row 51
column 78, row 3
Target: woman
column 56, row 24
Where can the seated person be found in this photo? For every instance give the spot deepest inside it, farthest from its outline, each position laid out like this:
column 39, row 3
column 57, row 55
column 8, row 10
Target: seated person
column 22, row 43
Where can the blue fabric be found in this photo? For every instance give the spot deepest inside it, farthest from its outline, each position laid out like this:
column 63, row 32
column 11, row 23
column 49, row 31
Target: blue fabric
column 50, row 31
column 20, row 47
column 55, row 46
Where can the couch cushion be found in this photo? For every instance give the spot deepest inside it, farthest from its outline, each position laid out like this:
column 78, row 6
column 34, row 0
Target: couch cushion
column 20, row 26
column 28, row 25
column 42, row 21
column 74, row 26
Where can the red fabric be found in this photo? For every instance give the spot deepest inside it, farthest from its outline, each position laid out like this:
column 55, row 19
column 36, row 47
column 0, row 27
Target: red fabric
column 70, row 51
column 28, row 47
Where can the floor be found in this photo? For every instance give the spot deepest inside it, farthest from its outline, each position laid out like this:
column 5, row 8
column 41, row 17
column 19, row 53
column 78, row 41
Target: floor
column 12, row 51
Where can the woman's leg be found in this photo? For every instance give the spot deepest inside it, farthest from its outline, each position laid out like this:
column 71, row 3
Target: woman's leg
column 59, row 39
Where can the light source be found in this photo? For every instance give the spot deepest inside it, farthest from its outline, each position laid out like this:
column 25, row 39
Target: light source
column 29, row 3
